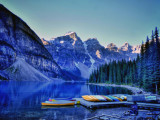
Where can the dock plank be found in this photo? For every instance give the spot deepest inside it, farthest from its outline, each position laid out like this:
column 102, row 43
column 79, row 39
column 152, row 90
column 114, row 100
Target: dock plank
column 92, row 105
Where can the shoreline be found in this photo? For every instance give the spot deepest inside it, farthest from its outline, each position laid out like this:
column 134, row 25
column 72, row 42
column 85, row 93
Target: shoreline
column 135, row 90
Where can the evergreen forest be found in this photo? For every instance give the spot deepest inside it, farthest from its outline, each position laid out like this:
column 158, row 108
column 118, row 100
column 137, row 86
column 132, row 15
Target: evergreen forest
column 143, row 72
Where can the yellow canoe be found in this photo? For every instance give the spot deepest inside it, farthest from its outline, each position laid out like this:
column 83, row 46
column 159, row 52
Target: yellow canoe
column 58, row 103
column 90, row 98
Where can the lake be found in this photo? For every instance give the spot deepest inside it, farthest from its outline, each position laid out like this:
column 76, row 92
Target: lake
column 22, row 100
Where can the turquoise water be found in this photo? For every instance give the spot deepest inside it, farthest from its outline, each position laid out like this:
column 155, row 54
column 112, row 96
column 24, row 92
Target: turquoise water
column 22, row 100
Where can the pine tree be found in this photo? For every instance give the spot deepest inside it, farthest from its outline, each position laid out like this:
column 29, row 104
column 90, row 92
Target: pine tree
column 144, row 71
column 110, row 73
column 157, row 61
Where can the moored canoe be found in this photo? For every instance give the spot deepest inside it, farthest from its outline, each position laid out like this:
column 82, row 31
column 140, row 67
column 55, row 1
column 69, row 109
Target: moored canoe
column 58, row 103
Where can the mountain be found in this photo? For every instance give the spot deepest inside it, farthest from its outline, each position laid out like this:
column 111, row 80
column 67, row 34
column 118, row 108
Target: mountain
column 22, row 71
column 18, row 40
column 68, row 51
column 126, row 48
column 112, row 47
column 130, row 51
column 78, row 58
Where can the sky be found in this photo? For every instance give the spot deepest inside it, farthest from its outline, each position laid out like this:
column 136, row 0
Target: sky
column 110, row 21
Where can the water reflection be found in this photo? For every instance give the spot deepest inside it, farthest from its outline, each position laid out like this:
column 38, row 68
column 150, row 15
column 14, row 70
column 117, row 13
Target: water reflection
column 19, row 98
column 106, row 90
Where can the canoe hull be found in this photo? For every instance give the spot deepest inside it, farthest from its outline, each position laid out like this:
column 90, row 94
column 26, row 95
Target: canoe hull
column 57, row 104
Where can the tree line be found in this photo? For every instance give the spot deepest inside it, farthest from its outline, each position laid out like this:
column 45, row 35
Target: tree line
column 142, row 72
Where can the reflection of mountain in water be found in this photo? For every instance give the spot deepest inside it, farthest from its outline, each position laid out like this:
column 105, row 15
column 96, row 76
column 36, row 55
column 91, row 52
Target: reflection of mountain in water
column 15, row 95
column 103, row 90
column 28, row 94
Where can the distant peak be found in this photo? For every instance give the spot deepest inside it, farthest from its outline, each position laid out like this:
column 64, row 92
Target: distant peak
column 92, row 41
column 70, row 32
column 126, row 44
column 72, row 35
column 111, row 45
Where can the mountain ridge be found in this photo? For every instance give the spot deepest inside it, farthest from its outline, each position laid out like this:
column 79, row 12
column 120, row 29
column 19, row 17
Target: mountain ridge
column 73, row 54
column 18, row 40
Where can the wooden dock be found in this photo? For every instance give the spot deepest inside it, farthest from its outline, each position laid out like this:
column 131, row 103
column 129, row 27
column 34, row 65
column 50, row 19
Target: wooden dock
column 96, row 105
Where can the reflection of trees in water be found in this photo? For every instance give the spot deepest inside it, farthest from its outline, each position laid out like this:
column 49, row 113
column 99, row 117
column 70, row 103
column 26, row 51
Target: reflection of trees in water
column 29, row 94
column 16, row 95
column 106, row 90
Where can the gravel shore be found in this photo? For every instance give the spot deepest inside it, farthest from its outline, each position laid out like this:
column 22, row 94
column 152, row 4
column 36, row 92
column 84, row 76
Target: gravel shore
column 135, row 90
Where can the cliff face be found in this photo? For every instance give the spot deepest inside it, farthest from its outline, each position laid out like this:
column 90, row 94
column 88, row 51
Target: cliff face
column 17, row 40
column 80, row 58
column 68, row 51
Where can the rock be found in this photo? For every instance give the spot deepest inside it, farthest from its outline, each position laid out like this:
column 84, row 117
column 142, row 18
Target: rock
column 80, row 58
column 22, row 71
column 112, row 47
column 18, row 40
column 3, row 75
column 67, row 51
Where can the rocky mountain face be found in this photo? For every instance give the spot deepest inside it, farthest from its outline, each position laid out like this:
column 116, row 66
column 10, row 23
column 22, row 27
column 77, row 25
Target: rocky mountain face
column 17, row 40
column 130, row 51
column 79, row 58
column 112, row 47
column 68, row 51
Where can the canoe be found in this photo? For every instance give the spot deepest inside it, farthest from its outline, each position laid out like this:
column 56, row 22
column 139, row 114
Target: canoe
column 108, row 99
column 58, row 103
column 90, row 98
column 100, row 98
column 122, row 97
column 113, row 98
column 97, row 98
column 118, row 98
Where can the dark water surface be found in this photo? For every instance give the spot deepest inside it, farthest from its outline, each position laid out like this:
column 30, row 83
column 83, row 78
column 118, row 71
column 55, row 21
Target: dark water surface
column 22, row 100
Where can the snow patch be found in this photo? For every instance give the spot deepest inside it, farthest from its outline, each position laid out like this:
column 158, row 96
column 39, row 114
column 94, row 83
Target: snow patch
column 74, row 42
column 98, row 54
column 136, row 49
column 68, row 33
column 61, row 42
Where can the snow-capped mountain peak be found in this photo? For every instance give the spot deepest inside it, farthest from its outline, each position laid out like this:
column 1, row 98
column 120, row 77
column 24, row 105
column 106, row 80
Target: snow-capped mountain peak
column 72, row 54
column 136, row 49
column 72, row 35
column 126, row 47
column 112, row 47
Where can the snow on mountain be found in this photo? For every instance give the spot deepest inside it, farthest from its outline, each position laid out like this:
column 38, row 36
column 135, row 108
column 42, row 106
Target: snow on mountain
column 112, row 47
column 130, row 51
column 126, row 47
column 72, row 35
column 79, row 58
column 44, row 41
column 67, row 51
column 136, row 49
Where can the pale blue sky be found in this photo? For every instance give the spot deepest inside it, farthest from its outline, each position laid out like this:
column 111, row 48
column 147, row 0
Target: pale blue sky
column 115, row 21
